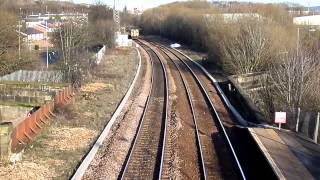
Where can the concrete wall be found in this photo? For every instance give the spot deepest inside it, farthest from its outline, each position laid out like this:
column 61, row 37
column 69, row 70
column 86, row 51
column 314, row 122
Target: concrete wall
column 13, row 113
column 249, row 81
column 5, row 141
column 26, row 94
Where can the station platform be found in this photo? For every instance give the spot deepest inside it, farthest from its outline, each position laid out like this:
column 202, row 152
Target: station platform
column 290, row 155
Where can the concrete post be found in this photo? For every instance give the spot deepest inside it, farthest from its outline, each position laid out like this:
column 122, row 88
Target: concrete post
column 5, row 139
column 316, row 130
column 0, row 116
column 298, row 119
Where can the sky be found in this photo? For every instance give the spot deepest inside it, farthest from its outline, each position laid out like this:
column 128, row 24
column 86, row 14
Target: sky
column 143, row 4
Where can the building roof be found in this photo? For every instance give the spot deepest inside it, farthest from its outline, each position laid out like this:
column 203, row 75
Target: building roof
column 49, row 25
column 33, row 20
column 31, row 31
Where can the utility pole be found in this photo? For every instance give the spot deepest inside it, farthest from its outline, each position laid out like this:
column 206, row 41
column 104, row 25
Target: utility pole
column 19, row 34
column 298, row 41
column 47, row 38
column 116, row 16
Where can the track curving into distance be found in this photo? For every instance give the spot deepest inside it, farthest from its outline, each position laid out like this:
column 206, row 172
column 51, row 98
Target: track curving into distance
column 200, row 154
column 218, row 126
column 145, row 158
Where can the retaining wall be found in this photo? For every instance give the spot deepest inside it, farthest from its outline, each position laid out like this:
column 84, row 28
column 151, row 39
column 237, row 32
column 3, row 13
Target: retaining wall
column 33, row 94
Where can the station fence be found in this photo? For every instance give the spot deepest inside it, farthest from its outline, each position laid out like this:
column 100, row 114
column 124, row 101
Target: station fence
column 305, row 123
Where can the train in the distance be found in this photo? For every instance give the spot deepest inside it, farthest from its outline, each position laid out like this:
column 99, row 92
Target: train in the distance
column 134, row 33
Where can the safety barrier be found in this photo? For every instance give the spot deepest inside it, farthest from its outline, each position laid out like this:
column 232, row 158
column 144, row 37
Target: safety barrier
column 63, row 97
column 29, row 128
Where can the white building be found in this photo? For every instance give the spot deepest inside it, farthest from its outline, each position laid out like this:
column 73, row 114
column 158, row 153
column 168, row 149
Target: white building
column 307, row 20
column 233, row 17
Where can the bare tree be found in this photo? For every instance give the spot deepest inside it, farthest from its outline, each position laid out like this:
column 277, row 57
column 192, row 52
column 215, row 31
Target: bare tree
column 72, row 39
column 249, row 50
column 8, row 36
column 293, row 78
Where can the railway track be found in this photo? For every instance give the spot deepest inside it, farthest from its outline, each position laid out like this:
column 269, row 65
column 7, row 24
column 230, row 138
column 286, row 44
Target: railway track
column 206, row 151
column 210, row 137
column 250, row 161
column 211, row 126
column 184, row 109
column 200, row 168
column 145, row 158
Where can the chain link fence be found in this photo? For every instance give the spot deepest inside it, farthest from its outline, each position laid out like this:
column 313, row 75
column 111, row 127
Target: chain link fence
column 305, row 123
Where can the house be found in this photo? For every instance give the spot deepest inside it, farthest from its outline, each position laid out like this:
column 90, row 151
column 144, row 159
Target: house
column 34, row 34
column 37, row 36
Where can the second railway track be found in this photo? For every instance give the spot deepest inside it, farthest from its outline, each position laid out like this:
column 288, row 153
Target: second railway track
column 145, row 159
column 214, row 144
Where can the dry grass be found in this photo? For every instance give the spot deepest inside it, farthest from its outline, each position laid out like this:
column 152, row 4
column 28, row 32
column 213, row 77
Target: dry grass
column 58, row 150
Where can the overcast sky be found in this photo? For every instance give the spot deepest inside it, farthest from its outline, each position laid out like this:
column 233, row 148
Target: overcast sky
column 143, row 4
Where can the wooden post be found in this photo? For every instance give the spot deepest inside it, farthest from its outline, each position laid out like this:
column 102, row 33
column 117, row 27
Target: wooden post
column 316, row 130
column 298, row 119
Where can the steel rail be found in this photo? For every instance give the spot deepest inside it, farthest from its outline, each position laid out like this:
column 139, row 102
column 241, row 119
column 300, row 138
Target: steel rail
column 123, row 172
column 214, row 110
column 166, row 113
column 243, row 122
column 164, row 129
column 186, row 86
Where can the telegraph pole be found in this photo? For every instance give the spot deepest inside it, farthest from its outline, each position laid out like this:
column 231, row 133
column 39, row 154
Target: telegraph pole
column 47, row 38
column 19, row 34
column 116, row 16
column 298, row 41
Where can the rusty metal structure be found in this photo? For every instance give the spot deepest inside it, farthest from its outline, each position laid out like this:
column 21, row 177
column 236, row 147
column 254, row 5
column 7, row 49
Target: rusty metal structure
column 26, row 131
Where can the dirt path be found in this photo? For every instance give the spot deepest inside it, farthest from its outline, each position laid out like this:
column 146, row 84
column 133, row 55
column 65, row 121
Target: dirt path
column 58, row 150
column 108, row 162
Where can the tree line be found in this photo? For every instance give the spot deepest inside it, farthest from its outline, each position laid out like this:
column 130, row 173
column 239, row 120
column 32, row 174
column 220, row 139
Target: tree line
column 9, row 44
column 266, row 40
